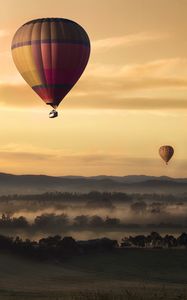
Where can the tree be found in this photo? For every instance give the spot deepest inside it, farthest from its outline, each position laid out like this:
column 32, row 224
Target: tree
column 112, row 222
column 139, row 207
column 96, row 221
column 81, row 221
column 182, row 239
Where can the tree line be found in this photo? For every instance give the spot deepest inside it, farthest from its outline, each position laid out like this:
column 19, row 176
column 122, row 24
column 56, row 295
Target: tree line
column 52, row 222
column 155, row 240
column 54, row 247
column 69, row 197
column 94, row 195
column 58, row 248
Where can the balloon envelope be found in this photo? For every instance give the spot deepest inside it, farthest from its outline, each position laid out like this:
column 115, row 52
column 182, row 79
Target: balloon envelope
column 166, row 152
column 51, row 54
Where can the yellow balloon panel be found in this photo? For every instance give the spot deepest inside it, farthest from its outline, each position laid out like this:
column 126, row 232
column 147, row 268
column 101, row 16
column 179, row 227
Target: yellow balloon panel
column 23, row 59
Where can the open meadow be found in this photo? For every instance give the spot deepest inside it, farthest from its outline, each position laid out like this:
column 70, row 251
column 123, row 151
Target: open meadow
column 120, row 274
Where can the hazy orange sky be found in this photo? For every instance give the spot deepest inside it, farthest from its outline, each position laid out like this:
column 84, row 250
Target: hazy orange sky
column 131, row 99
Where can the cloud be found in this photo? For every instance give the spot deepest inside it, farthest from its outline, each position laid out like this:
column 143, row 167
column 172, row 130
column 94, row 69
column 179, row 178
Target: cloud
column 26, row 152
column 120, row 85
column 18, row 95
column 159, row 84
column 22, row 97
column 157, row 69
column 24, row 156
column 130, row 104
column 125, row 41
column 29, row 154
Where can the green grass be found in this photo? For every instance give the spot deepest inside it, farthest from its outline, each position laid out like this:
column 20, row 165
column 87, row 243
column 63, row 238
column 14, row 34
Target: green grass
column 124, row 274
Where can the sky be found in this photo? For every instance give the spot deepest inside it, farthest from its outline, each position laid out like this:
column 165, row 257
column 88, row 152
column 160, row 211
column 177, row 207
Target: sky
column 131, row 99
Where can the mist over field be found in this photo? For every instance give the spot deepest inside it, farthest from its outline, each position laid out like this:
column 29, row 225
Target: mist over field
column 92, row 215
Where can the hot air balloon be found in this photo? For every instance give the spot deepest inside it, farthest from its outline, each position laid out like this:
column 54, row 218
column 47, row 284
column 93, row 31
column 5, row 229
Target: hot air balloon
column 51, row 54
column 166, row 152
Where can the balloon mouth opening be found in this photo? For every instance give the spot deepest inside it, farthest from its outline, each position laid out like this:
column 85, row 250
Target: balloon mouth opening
column 53, row 105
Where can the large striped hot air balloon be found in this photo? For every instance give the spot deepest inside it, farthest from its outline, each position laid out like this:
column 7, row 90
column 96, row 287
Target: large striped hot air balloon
column 51, row 54
column 166, row 152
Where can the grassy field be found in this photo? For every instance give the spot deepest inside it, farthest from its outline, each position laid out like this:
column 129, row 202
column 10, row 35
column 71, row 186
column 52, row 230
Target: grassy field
column 123, row 274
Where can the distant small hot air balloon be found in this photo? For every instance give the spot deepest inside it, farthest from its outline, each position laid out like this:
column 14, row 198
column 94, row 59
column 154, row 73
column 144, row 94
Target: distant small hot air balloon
column 51, row 54
column 166, row 152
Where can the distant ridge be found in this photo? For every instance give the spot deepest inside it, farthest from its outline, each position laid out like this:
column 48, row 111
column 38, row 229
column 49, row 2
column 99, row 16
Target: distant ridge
column 34, row 184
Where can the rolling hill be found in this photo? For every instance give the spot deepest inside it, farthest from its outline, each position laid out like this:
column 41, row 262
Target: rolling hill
column 34, row 184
